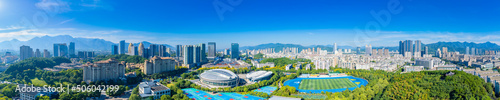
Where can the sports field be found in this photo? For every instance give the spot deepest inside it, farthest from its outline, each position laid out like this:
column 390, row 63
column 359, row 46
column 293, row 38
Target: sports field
column 324, row 84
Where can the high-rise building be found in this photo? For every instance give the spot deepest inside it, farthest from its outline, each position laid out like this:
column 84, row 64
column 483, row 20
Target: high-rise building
column 131, row 49
column 61, row 50
column 235, row 50
column 179, row 51
column 136, row 52
column 71, row 49
column 445, row 50
column 38, row 53
column 211, row 49
column 438, row 53
column 334, row 48
column 146, row 52
column 86, row 54
column 140, row 50
column 188, row 54
column 56, row 50
column 114, row 50
column 227, row 51
column 162, row 50
column 25, row 52
column 467, row 50
column 197, row 54
column 418, row 46
column 368, row 49
column 407, row 46
column 203, row 54
column 426, row 50
column 121, row 47
column 358, row 50
column 401, row 47
column 153, row 50
column 473, row 51
column 46, row 53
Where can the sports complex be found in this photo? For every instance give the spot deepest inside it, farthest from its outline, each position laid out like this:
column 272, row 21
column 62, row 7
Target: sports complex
column 196, row 94
column 326, row 84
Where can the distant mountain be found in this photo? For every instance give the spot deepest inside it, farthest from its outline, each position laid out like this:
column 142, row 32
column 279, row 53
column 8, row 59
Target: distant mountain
column 461, row 46
column 279, row 46
column 47, row 42
column 452, row 46
column 146, row 44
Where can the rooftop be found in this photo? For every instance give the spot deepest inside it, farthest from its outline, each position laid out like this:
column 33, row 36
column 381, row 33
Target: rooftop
column 218, row 74
column 159, row 88
column 110, row 60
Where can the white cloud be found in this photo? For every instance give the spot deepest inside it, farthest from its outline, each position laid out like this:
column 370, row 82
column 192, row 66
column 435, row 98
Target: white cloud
column 65, row 21
column 53, row 6
column 60, row 6
column 12, row 27
column 22, row 35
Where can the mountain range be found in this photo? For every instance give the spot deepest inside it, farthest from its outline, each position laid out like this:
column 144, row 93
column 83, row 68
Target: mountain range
column 452, row 46
column 81, row 44
column 94, row 44
column 279, row 46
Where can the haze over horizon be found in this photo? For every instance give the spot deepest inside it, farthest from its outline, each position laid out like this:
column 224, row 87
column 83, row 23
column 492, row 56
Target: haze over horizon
column 250, row 23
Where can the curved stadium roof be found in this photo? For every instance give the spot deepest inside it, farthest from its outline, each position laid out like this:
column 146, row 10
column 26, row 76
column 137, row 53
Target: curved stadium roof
column 218, row 74
column 258, row 75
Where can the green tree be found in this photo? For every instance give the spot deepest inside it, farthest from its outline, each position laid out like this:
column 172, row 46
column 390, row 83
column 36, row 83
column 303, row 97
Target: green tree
column 134, row 97
column 165, row 97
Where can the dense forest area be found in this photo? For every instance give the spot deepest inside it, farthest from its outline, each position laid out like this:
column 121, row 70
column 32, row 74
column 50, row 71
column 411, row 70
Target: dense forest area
column 424, row 85
column 284, row 61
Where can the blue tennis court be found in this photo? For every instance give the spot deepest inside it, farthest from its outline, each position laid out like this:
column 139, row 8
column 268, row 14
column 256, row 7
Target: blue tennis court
column 296, row 83
column 266, row 89
column 196, row 94
column 237, row 96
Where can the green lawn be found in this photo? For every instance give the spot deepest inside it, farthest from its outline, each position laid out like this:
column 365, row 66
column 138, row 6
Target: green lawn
column 324, row 84
column 37, row 82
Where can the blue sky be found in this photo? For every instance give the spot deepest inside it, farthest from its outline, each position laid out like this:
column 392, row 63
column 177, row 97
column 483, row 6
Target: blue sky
column 253, row 22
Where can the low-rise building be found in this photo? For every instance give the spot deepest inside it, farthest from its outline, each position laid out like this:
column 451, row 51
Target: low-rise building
column 260, row 65
column 413, row 68
column 28, row 95
column 152, row 88
column 425, row 62
column 445, row 67
column 287, row 67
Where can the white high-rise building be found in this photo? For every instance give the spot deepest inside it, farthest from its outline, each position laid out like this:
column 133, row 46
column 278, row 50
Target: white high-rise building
column 473, row 51
column 368, row 49
column 467, row 50
column 334, row 48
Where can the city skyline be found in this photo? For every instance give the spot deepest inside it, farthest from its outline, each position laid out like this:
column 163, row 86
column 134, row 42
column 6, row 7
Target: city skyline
column 308, row 24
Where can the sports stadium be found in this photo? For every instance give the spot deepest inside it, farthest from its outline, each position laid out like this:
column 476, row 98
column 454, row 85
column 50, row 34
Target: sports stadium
column 219, row 78
column 326, row 84
column 259, row 75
